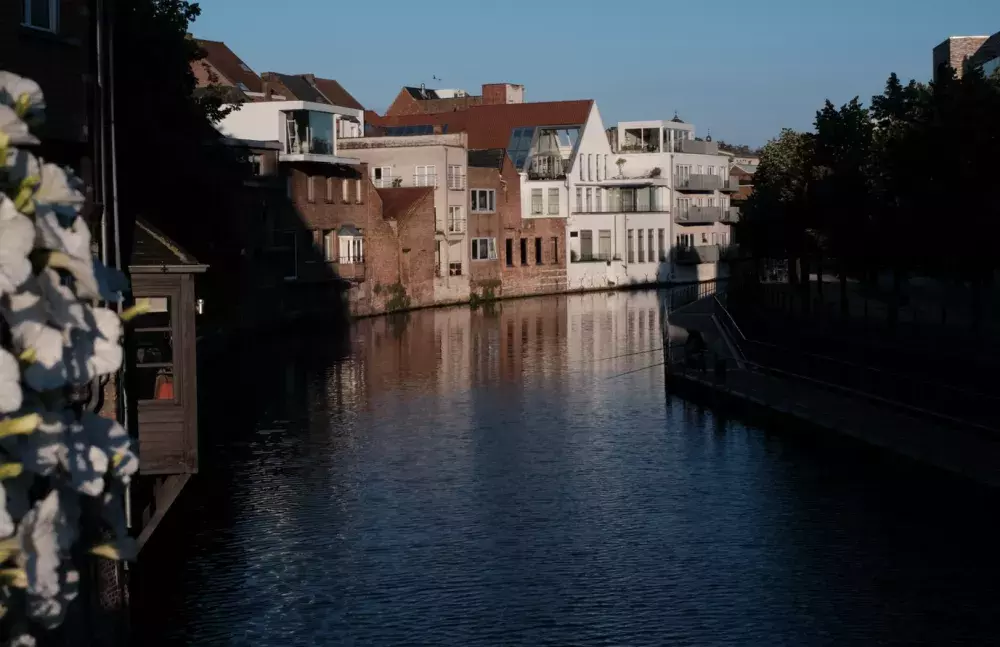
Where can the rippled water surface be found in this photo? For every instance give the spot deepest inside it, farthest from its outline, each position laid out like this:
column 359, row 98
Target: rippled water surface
column 470, row 478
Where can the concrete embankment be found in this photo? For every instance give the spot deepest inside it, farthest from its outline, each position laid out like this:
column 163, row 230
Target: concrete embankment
column 810, row 406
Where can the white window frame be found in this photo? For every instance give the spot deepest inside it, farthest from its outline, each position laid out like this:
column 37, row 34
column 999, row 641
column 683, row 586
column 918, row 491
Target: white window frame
column 357, row 192
column 537, row 206
column 311, row 188
column 382, row 176
column 456, row 222
column 329, row 239
column 579, row 200
column 553, row 207
column 598, row 207
column 455, row 179
column 53, row 25
column 351, row 250
column 490, row 245
column 491, row 200
column 425, row 175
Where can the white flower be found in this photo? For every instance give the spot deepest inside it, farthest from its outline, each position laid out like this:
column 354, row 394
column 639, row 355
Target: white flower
column 11, row 396
column 26, row 315
column 17, row 236
column 85, row 463
column 46, row 533
column 13, row 130
column 114, row 441
column 61, row 304
column 44, row 450
column 6, row 522
column 18, row 92
column 60, row 191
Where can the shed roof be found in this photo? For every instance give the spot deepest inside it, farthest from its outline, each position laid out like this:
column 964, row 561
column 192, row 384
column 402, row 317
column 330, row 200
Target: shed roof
column 152, row 248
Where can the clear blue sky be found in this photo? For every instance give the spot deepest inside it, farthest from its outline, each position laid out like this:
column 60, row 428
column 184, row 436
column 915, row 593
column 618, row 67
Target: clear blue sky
column 742, row 69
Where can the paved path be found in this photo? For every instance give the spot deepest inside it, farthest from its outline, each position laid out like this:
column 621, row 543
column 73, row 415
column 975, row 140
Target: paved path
column 972, row 453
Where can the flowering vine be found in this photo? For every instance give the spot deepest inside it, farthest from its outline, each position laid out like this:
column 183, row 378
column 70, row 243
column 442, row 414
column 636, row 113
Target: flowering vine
column 62, row 469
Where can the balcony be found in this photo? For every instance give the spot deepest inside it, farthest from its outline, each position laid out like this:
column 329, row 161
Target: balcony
column 653, row 207
column 697, row 254
column 731, row 215
column 548, row 167
column 695, row 147
column 456, row 182
column 699, row 216
column 695, row 182
column 395, row 182
column 730, row 185
column 425, row 179
column 575, row 257
column 309, row 138
column 455, row 225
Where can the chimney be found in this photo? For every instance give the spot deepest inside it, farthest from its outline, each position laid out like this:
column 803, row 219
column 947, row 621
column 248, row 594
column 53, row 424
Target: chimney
column 501, row 93
column 311, row 78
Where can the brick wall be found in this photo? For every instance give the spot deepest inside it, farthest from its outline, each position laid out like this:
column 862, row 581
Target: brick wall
column 403, row 104
column 59, row 62
column 955, row 50
column 532, row 277
column 482, row 273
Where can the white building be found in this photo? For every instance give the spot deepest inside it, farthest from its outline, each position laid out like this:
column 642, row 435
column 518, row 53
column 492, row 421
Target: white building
column 699, row 190
column 306, row 130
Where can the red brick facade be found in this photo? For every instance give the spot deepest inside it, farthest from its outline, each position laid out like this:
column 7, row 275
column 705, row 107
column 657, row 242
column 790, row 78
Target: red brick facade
column 544, row 235
column 59, row 62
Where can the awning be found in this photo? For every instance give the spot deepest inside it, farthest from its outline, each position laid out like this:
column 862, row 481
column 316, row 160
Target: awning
column 348, row 230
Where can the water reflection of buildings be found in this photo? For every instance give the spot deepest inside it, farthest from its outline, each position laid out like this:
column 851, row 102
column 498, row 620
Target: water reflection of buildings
column 613, row 324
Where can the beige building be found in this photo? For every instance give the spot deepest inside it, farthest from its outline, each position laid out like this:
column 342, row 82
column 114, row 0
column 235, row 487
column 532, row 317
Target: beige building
column 436, row 161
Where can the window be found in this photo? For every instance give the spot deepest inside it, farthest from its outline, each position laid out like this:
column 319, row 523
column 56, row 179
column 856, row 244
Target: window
column 554, row 202
column 351, row 245
column 652, row 252
column 484, row 249
column 597, row 200
column 590, row 167
column 425, row 176
column 630, row 245
column 357, row 192
column 329, row 189
column 704, row 237
column 579, row 200
column 538, row 251
column 536, row 202
column 42, row 14
column 642, row 249
column 555, row 250
column 483, row 200
column 604, row 244
column 256, row 163
column 344, row 197
column 589, row 200
column 382, row 176
column 311, row 189
column 587, row 244
column 455, row 178
column 605, row 166
column 329, row 240
column 661, row 241
column 597, row 170
column 455, row 268
column 524, row 251
column 154, row 352
column 456, row 222
column 581, row 161
column 509, row 252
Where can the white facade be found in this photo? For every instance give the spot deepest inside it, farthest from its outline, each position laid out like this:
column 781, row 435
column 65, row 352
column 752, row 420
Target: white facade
column 307, row 131
column 698, row 196
column 438, row 161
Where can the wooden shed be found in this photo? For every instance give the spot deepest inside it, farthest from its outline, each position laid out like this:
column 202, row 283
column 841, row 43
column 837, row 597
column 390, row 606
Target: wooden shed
column 162, row 367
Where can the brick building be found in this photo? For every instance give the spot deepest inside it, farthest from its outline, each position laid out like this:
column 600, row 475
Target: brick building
column 49, row 42
column 958, row 52
column 524, row 255
column 422, row 100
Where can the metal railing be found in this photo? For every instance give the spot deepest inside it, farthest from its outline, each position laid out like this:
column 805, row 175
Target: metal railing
column 949, row 404
column 593, row 258
column 425, row 179
column 456, row 225
column 456, row 181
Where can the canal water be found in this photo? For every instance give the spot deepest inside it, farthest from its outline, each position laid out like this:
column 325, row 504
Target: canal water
column 518, row 476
